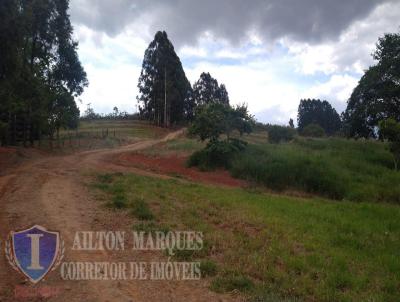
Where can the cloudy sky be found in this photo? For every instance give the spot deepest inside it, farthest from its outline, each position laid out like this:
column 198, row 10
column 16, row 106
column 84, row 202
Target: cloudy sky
column 268, row 53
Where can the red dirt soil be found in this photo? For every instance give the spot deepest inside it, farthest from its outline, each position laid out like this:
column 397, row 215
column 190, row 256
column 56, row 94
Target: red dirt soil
column 175, row 165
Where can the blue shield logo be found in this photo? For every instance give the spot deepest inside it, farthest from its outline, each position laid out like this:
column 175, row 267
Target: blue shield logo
column 35, row 251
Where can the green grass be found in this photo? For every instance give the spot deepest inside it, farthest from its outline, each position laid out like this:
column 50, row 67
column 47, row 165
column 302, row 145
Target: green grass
column 182, row 146
column 141, row 210
column 232, row 282
column 128, row 128
column 280, row 248
column 98, row 134
column 208, row 268
column 335, row 168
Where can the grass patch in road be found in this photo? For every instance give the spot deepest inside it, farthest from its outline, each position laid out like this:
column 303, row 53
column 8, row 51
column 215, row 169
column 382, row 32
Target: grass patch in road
column 305, row 249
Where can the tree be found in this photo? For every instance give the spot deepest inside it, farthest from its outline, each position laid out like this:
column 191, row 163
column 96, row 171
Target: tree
column 277, row 133
column 291, row 123
column 312, row 111
column 215, row 119
column 390, row 130
column 116, row 112
column 313, row 130
column 165, row 95
column 207, row 90
column 40, row 73
column 211, row 122
column 377, row 95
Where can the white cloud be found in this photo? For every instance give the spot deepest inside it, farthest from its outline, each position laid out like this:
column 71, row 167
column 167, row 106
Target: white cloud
column 111, row 87
column 271, row 78
column 189, row 51
column 351, row 52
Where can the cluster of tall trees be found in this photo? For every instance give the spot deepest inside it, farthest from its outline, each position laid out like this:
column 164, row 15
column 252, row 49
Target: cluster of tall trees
column 40, row 72
column 206, row 90
column 165, row 94
column 315, row 111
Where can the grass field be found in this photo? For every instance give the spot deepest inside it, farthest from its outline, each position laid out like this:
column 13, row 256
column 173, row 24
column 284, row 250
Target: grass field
column 332, row 167
column 122, row 128
column 102, row 134
column 339, row 243
column 272, row 247
column 335, row 168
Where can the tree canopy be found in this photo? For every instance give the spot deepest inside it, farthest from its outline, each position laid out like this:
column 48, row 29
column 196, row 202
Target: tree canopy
column 312, row 111
column 214, row 119
column 165, row 94
column 207, row 90
column 377, row 95
column 40, row 72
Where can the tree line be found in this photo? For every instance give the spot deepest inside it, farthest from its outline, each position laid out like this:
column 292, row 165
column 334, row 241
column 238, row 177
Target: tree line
column 166, row 96
column 40, row 72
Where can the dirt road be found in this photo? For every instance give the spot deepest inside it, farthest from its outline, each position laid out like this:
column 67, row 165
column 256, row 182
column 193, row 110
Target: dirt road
column 52, row 191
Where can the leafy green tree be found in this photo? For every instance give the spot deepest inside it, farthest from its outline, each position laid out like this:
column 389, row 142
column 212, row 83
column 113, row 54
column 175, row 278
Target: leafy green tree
column 312, row 111
column 277, row 134
column 390, row 130
column 165, row 95
column 215, row 119
column 212, row 121
column 377, row 95
column 207, row 90
column 39, row 67
column 313, row 130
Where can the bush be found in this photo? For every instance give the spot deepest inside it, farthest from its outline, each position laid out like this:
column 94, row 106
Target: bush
column 208, row 268
column 141, row 210
column 217, row 154
column 313, row 130
column 119, row 201
column 277, row 134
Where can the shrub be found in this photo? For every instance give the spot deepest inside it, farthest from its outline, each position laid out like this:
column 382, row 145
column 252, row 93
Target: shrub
column 217, row 154
column 313, row 130
column 277, row 134
column 390, row 129
column 208, row 268
column 119, row 201
column 141, row 210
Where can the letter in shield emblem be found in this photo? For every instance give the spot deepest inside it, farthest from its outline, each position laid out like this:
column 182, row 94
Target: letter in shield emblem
column 34, row 251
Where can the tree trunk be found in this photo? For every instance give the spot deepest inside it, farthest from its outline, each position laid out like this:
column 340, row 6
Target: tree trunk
column 14, row 131
column 24, row 132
